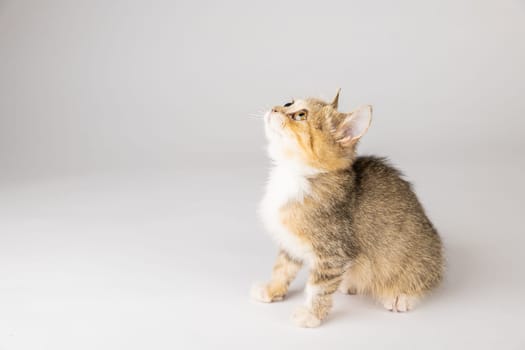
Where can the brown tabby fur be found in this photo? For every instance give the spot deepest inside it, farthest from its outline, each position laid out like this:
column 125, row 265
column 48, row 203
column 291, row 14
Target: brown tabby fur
column 364, row 225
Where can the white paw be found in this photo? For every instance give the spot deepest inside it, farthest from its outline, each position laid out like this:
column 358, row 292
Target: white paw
column 302, row 317
column 400, row 303
column 259, row 292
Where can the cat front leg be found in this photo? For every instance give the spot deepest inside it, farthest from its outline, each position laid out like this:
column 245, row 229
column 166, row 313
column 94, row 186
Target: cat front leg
column 284, row 271
column 324, row 280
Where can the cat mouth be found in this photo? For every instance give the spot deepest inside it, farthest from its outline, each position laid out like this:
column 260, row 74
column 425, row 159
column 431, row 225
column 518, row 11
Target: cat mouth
column 274, row 125
column 267, row 117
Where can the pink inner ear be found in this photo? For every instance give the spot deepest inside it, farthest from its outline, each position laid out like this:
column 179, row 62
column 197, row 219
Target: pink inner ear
column 356, row 124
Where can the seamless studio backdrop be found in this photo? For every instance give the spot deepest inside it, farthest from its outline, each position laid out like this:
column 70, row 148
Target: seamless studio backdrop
column 131, row 164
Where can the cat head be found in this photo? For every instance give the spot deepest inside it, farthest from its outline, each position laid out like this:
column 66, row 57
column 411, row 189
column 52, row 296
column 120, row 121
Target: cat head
column 312, row 133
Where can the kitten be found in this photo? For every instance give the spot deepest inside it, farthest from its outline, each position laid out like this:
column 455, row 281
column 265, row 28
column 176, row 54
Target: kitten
column 353, row 220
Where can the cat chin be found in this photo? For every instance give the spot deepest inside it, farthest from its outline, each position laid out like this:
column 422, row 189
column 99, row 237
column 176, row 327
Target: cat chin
column 273, row 126
column 281, row 151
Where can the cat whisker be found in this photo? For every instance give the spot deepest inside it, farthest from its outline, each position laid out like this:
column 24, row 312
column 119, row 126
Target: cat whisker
column 258, row 115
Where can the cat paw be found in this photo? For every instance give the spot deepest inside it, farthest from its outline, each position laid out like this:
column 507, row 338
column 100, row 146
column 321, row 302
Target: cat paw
column 400, row 303
column 261, row 293
column 302, row 317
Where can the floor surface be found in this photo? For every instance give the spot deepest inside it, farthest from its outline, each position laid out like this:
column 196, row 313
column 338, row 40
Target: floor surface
column 165, row 260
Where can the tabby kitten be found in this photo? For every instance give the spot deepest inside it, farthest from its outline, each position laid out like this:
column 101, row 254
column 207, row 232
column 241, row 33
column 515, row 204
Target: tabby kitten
column 353, row 220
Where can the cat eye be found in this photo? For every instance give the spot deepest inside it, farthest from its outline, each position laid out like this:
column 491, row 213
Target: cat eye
column 288, row 104
column 299, row 116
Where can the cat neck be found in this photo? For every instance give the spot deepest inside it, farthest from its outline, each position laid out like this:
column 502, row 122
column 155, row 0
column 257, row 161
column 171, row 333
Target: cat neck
column 296, row 168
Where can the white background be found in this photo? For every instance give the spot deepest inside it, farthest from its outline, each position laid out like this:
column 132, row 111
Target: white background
column 130, row 168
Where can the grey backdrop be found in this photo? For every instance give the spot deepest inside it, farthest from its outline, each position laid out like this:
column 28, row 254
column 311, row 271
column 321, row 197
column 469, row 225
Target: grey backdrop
column 108, row 83
column 130, row 168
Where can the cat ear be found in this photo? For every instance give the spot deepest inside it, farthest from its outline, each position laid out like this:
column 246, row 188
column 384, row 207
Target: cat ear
column 335, row 101
column 354, row 125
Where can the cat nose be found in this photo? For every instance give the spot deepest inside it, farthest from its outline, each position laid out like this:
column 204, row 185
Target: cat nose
column 274, row 110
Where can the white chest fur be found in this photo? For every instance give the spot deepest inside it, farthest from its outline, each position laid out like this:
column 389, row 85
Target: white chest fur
column 286, row 184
